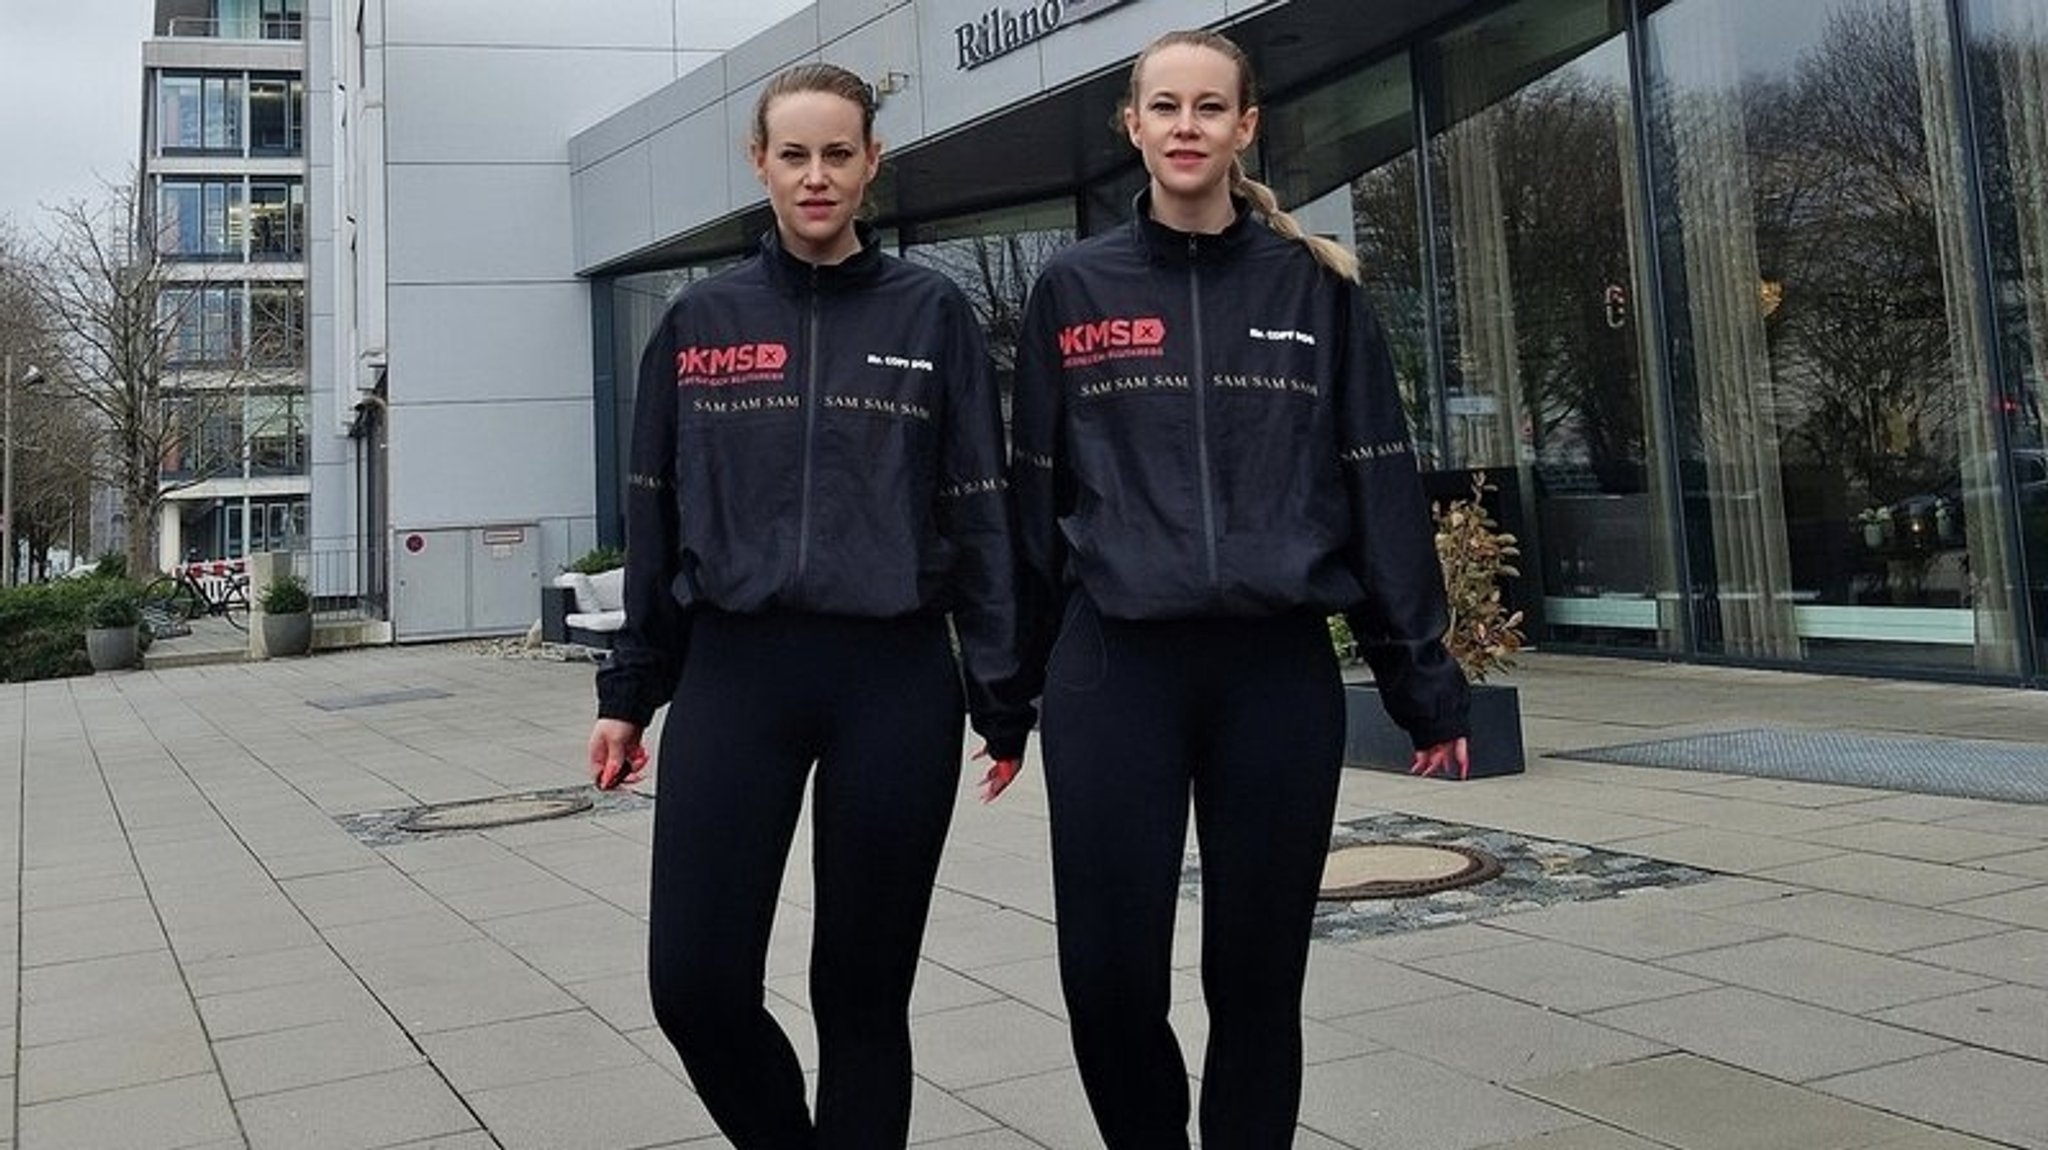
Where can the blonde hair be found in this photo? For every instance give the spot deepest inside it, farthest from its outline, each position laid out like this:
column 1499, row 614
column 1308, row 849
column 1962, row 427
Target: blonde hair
column 1328, row 252
column 830, row 79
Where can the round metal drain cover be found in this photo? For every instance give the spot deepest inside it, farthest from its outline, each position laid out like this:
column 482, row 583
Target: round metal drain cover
column 486, row 813
column 1400, row 870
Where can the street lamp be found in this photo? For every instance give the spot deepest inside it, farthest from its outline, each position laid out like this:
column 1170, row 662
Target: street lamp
column 7, row 464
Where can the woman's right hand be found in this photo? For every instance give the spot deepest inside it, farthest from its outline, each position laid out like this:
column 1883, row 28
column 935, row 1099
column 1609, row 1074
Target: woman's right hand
column 616, row 756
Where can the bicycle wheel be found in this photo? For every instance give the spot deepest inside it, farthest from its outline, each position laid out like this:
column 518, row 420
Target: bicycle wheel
column 173, row 598
column 234, row 604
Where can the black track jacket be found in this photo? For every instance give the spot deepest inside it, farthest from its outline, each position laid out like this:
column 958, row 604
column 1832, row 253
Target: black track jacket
column 823, row 439
column 1208, row 425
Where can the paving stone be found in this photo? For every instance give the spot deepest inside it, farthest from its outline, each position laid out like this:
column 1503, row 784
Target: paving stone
column 1341, row 982
column 2012, row 1019
column 1729, row 852
column 992, row 938
column 171, row 1115
column 1497, row 1039
column 1580, row 1138
column 287, row 1007
column 637, row 1106
column 575, row 943
column 262, row 970
column 2027, row 907
column 1978, row 1092
column 1047, row 1109
column 364, row 1113
column 954, row 1050
column 278, row 1060
column 1897, row 880
column 1768, row 1035
column 1862, row 923
column 2014, row 956
column 464, row 984
column 135, row 1057
column 529, row 1050
column 1630, row 930
column 1395, row 1099
column 1565, row 978
column 1680, row 1100
column 1835, row 977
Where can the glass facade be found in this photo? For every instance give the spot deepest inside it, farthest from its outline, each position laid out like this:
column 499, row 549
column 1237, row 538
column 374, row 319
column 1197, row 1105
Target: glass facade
column 1737, row 304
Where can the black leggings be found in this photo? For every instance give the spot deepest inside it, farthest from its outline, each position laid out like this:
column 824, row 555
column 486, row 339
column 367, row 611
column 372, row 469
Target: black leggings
column 878, row 706
column 1248, row 716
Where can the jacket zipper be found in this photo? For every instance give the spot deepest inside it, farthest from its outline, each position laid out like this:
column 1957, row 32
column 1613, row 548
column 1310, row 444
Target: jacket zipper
column 1202, row 412
column 803, row 523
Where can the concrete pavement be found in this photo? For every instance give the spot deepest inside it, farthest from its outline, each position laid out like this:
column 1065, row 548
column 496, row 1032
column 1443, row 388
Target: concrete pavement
column 208, row 946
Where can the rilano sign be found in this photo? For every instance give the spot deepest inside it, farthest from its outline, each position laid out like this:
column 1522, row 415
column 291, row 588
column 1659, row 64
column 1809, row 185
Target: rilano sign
column 1000, row 31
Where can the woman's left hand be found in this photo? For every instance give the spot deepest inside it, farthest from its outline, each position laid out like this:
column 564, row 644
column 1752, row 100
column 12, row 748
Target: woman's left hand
column 1441, row 758
column 1000, row 772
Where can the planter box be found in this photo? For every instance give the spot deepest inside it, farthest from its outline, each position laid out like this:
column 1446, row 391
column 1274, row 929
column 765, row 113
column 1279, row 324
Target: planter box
column 1371, row 739
column 287, row 634
column 113, row 648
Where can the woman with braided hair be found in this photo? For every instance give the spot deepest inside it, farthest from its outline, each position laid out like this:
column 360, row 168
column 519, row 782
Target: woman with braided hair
column 1210, row 459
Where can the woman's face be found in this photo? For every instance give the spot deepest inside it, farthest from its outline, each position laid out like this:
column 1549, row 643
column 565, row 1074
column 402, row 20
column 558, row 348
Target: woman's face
column 816, row 168
column 1187, row 124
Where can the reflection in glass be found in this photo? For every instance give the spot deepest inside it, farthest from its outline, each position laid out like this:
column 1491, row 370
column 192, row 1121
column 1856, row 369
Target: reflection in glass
column 1823, row 286
column 994, row 258
column 1534, row 163
column 2009, row 67
column 1344, row 154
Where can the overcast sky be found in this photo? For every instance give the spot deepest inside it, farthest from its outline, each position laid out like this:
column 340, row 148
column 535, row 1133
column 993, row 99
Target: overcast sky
column 70, row 99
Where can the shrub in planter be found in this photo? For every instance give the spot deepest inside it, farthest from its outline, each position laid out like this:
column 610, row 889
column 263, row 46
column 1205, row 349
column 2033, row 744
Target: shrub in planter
column 1483, row 637
column 598, row 560
column 286, row 594
column 1476, row 555
column 287, row 615
column 116, row 608
column 113, row 641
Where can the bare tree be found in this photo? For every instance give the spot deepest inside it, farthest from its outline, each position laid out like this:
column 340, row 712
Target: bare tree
column 135, row 346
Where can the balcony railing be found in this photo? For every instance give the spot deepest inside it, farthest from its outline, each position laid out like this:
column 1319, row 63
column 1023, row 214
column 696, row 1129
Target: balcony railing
column 246, row 28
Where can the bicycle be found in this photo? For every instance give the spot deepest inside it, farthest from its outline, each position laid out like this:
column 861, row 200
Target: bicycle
column 208, row 587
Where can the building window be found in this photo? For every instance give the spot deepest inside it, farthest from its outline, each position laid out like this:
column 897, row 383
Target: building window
column 277, row 325
column 234, row 325
column 994, row 257
column 277, row 220
column 201, row 219
column 1831, row 360
column 276, row 116
column 203, row 325
column 199, row 113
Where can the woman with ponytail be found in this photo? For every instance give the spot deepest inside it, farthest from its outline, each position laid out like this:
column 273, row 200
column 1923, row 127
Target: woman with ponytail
column 1210, row 458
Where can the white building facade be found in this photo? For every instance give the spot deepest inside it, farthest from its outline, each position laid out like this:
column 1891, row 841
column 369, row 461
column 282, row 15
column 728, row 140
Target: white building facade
column 450, row 332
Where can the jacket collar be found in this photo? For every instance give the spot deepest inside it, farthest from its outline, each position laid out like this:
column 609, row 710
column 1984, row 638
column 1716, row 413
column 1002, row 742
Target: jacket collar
column 794, row 276
column 1172, row 246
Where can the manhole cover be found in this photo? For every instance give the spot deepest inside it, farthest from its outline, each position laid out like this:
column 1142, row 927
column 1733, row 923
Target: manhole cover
column 493, row 813
column 1398, row 870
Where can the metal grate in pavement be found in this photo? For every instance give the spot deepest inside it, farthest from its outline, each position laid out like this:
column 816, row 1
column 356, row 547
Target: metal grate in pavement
column 1966, row 768
column 414, row 824
column 378, row 698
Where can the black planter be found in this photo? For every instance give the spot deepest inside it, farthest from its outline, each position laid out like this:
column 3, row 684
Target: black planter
column 1373, row 740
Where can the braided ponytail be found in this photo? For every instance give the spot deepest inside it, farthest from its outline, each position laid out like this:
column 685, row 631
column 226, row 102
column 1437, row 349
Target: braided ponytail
column 1328, row 252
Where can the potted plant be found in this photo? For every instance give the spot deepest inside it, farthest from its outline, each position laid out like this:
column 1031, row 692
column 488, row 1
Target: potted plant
column 287, row 616
column 113, row 641
column 1483, row 637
